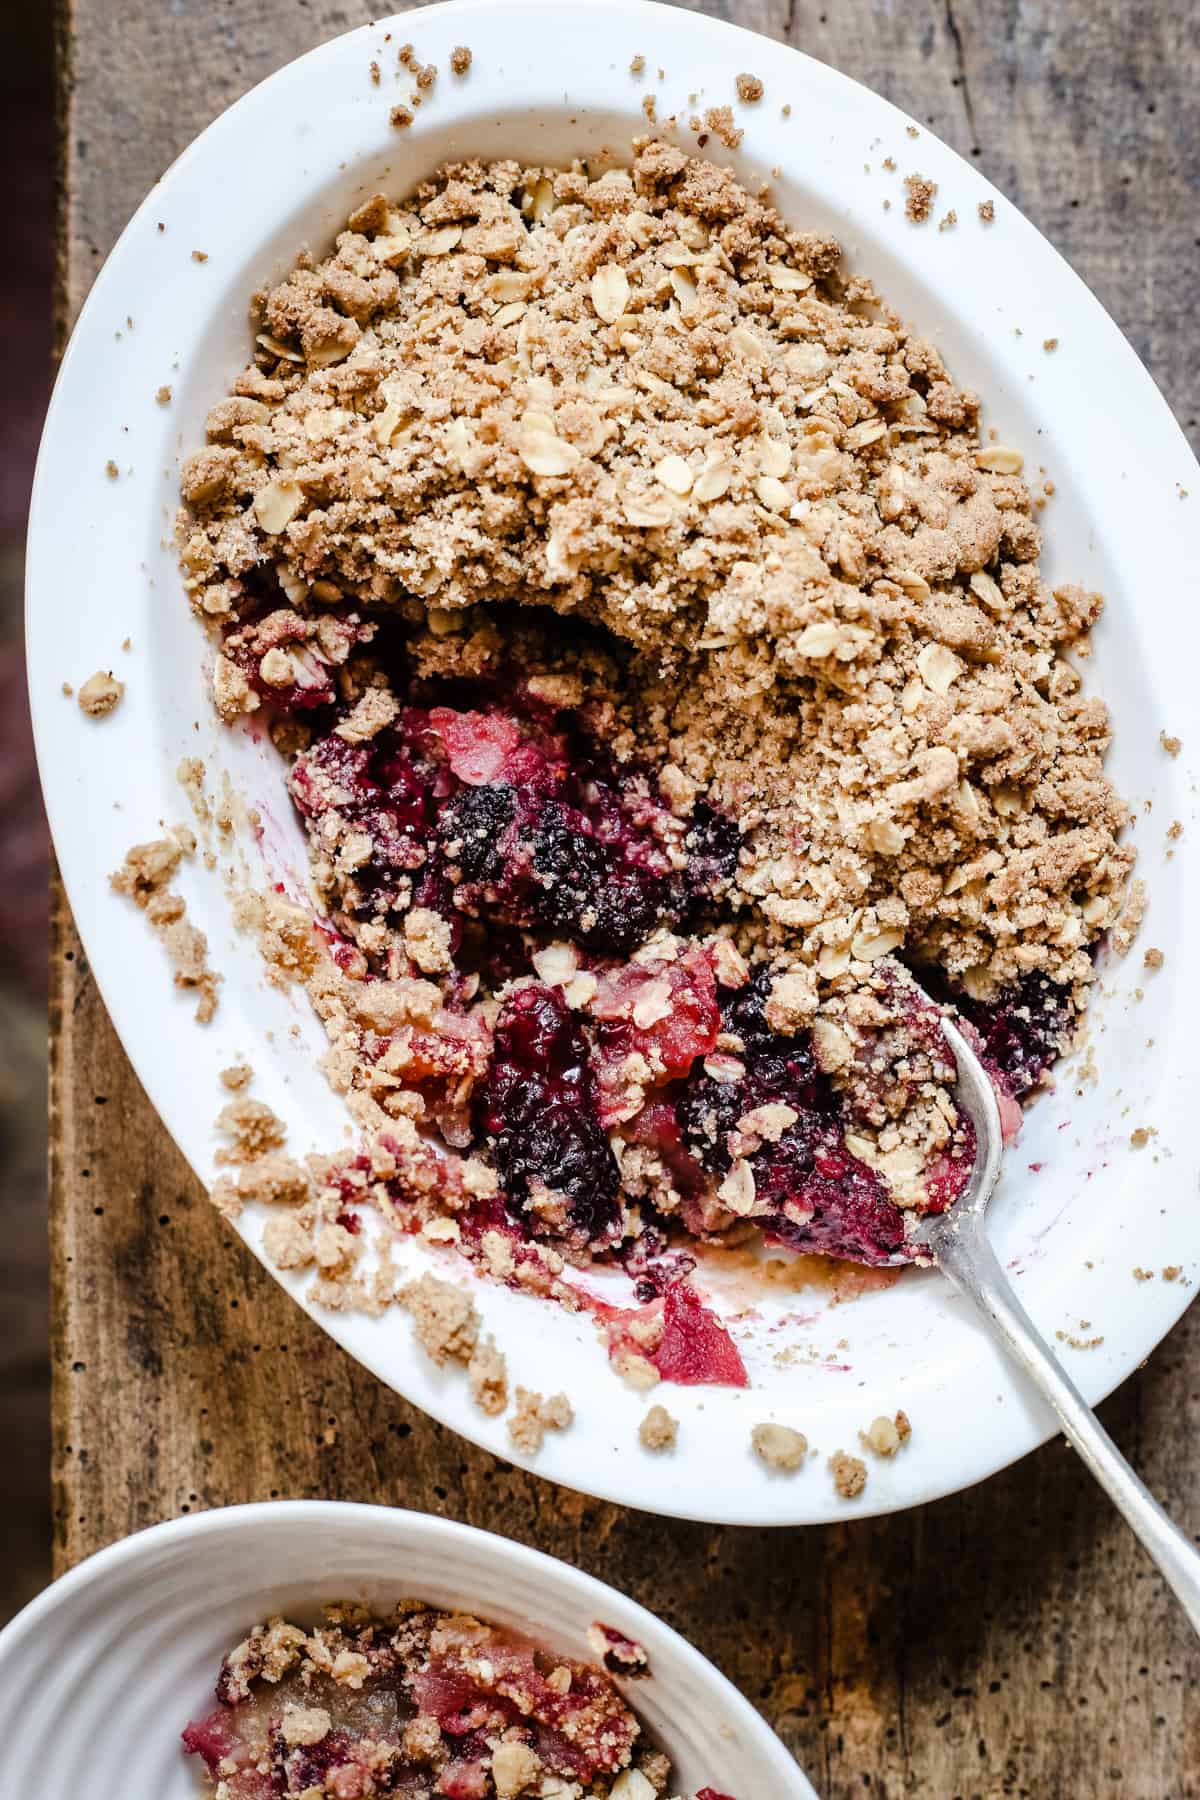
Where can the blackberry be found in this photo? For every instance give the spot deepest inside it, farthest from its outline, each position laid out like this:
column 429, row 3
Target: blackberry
column 540, row 1108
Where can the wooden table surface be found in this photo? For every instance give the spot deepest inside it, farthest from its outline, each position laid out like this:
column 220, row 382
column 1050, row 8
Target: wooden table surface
column 1012, row 1640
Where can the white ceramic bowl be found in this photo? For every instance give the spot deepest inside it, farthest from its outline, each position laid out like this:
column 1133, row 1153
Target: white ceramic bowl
column 99, row 1675
column 101, row 567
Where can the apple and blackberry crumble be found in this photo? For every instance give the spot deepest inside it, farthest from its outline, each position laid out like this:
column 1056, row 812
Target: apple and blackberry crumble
column 424, row 1704
column 673, row 703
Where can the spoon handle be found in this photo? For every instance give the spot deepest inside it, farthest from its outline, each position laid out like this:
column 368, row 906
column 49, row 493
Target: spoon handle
column 966, row 1257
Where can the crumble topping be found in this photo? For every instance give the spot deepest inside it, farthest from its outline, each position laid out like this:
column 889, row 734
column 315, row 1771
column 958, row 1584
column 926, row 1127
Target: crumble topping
column 424, row 1703
column 749, row 89
column 460, row 59
column 666, row 673
column 100, row 694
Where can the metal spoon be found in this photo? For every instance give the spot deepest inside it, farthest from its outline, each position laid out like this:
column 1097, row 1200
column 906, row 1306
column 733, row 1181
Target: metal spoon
column 958, row 1243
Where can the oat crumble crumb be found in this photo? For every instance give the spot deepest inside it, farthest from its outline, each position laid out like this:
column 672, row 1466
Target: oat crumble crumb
column 849, row 1474
column 111, row 469
column 252, row 1128
column 487, row 1377
column 1172, row 1272
column 749, row 89
column 1141, row 1137
column 144, row 878
column 987, row 211
column 948, row 220
column 532, row 1416
column 780, row 1447
column 445, row 1319
column 885, row 1436
column 720, row 122
column 921, row 195
column 200, row 256
column 163, row 395
column 658, row 1431
column 1172, row 745
column 1132, row 913
column 376, row 73
column 237, row 1077
column 401, row 117
column 1154, row 959
column 515, row 1768
column 304, row 1724
column 637, row 66
column 1050, row 344
column 100, row 694
column 1143, row 1274
column 460, row 59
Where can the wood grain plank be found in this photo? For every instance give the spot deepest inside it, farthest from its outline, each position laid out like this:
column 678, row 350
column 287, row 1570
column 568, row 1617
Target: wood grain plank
column 1006, row 1641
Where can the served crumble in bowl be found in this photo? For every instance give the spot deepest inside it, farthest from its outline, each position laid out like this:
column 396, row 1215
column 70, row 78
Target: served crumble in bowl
column 212, row 1656
column 424, row 1703
column 648, row 687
